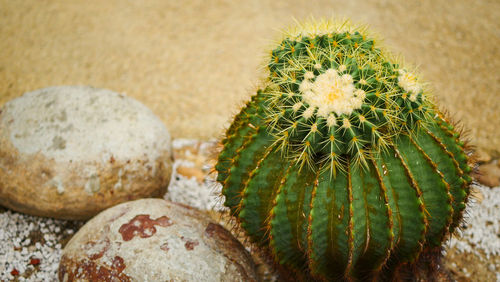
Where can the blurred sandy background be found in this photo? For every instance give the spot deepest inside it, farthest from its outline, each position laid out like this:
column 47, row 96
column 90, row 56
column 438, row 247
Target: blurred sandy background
column 194, row 62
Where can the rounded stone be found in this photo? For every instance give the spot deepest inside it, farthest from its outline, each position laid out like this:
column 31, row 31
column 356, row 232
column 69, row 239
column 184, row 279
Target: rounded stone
column 154, row 240
column 71, row 151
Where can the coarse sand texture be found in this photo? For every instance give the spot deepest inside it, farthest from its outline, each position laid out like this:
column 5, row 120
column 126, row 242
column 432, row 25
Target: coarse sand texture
column 194, row 62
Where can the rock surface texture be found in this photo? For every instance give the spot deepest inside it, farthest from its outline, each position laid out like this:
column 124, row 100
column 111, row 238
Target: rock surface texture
column 71, row 151
column 154, row 240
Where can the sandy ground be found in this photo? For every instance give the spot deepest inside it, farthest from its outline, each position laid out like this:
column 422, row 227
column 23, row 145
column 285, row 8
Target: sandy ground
column 194, row 62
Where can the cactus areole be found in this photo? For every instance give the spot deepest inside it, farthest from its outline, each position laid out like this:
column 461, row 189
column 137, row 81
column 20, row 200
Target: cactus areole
column 341, row 164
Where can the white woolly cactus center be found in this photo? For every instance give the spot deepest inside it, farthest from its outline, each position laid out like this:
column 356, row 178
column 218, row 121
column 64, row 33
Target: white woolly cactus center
column 408, row 81
column 330, row 93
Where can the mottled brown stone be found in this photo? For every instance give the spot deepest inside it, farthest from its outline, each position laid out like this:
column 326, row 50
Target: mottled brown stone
column 49, row 168
column 155, row 240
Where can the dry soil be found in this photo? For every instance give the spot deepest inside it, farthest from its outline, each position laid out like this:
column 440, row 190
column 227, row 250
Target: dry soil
column 194, row 62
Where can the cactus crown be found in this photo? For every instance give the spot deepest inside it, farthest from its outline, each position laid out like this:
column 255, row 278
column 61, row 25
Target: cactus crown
column 341, row 164
column 334, row 94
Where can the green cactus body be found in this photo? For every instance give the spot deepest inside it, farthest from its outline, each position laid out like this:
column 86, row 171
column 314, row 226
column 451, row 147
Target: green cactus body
column 341, row 165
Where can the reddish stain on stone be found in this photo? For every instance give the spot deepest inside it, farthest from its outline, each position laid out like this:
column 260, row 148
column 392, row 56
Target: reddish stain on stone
column 164, row 247
column 14, row 272
column 163, row 221
column 143, row 226
column 96, row 249
column 90, row 271
column 118, row 264
column 190, row 244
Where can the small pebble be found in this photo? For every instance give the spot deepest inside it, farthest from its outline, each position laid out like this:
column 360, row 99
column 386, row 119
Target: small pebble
column 489, row 175
column 35, row 261
column 482, row 156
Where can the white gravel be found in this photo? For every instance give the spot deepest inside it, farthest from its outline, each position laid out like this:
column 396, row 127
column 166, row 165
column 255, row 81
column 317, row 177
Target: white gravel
column 481, row 228
column 205, row 195
column 21, row 240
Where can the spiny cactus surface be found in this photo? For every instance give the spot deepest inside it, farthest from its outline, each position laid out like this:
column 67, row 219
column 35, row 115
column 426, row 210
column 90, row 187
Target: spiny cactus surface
column 341, row 164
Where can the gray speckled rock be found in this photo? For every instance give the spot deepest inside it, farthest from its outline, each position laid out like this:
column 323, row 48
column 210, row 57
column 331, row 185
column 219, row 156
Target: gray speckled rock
column 71, row 151
column 154, row 240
